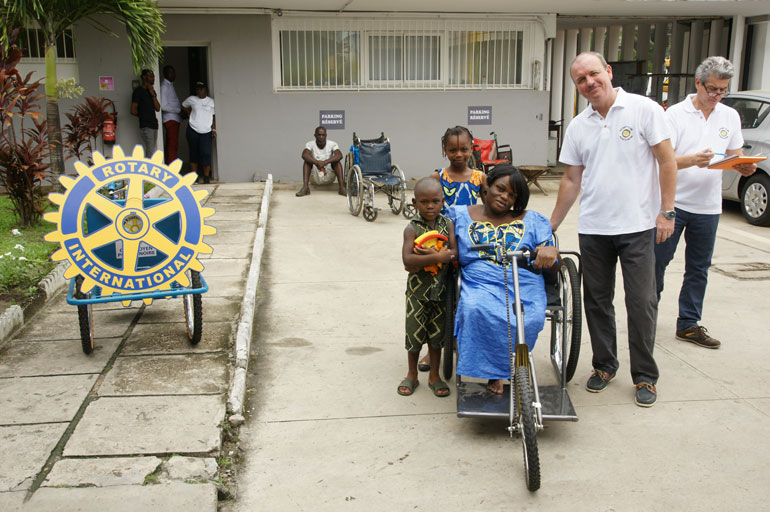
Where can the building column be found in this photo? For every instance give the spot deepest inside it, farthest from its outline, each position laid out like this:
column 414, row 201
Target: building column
column 677, row 48
column 715, row 38
column 557, row 75
column 599, row 35
column 570, row 52
column 627, row 44
column 643, row 41
column 736, row 50
column 659, row 59
column 694, row 57
column 586, row 33
column 613, row 41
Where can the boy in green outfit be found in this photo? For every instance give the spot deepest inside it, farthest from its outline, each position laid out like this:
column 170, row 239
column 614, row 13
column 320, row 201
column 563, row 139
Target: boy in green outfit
column 426, row 285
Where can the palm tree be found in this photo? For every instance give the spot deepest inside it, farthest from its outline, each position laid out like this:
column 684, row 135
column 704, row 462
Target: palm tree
column 144, row 28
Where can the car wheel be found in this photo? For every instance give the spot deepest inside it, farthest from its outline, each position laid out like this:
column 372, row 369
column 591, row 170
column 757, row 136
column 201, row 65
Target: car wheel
column 754, row 199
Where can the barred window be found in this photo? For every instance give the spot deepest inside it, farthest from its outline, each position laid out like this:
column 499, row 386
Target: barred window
column 345, row 52
column 319, row 58
column 31, row 42
column 486, row 58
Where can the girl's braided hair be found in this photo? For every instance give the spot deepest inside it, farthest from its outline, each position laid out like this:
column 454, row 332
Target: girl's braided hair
column 456, row 131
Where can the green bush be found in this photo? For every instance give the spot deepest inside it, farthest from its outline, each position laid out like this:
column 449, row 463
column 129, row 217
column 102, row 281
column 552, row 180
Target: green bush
column 25, row 258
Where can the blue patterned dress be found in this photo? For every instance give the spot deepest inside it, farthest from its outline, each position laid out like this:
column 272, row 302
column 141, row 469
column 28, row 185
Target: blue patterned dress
column 457, row 193
column 480, row 323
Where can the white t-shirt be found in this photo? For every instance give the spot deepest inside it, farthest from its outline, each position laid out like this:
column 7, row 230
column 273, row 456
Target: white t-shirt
column 621, row 190
column 699, row 189
column 202, row 115
column 322, row 154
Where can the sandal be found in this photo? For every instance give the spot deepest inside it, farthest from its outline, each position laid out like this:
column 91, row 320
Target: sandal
column 409, row 384
column 424, row 364
column 438, row 387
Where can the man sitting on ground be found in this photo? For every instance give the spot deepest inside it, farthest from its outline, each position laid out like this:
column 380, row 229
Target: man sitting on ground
column 321, row 157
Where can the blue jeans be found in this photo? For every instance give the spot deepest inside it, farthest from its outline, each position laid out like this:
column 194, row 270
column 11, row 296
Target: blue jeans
column 700, row 232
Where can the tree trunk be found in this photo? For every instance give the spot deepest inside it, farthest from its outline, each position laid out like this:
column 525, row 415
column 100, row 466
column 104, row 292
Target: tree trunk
column 56, row 150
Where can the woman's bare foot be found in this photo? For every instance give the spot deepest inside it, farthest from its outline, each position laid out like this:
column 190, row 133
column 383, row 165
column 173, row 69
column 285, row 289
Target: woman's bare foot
column 495, row 386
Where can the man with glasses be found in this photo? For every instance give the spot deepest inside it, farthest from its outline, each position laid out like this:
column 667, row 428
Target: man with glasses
column 702, row 130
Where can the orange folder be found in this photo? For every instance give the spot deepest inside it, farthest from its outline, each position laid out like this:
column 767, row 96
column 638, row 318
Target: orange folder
column 733, row 160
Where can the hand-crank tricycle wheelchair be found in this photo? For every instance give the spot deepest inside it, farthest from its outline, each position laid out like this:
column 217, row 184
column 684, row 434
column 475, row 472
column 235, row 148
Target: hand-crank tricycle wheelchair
column 368, row 170
column 525, row 404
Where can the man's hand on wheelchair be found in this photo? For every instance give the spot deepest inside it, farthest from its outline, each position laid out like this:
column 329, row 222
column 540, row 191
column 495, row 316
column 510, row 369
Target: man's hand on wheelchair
column 545, row 257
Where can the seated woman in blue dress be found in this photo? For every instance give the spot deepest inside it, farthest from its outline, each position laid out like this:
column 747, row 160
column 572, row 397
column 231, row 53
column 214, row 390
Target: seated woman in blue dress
column 481, row 320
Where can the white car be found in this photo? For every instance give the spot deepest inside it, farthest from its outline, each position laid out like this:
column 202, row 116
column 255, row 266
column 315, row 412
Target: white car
column 753, row 191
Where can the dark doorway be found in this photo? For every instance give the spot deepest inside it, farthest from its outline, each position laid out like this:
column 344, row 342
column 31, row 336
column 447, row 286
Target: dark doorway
column 192, row 65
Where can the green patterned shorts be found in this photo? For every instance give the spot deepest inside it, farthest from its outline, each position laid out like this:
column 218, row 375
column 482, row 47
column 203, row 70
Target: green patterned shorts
column 425, row 323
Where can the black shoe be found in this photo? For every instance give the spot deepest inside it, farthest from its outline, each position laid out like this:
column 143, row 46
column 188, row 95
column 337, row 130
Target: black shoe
column 598, row 381
column 206, row 180
column 646, row 395
column 699, row 335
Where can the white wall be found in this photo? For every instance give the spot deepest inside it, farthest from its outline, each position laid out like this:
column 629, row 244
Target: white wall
column 263, row 131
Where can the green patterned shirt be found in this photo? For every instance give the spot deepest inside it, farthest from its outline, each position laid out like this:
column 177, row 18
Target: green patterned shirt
column 422, row 284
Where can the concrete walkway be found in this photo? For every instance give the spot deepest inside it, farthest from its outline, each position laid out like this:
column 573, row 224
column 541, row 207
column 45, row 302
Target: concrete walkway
column 327, row 430
column 137, row 425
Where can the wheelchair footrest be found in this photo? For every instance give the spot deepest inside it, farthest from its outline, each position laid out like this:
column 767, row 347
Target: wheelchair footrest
column 473, row 401
column 383, row 179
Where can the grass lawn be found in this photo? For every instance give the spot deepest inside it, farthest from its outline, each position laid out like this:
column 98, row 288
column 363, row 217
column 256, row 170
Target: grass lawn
column 25, row 258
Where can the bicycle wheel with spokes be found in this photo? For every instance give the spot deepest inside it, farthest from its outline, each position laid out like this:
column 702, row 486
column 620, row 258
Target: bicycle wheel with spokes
column 397, row 193
column 567, row 323
column 355, row 186
column 526, row 427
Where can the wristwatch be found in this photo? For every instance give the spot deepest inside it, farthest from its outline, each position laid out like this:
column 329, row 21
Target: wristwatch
column 669, row 214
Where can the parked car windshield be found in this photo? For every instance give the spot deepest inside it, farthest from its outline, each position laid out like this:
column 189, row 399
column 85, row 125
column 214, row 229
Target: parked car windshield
column 752, row 112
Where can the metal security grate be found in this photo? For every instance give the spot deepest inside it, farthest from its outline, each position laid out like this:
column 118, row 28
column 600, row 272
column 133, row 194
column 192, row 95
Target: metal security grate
column 32, row 44
column 344, row 52
column 745, row 271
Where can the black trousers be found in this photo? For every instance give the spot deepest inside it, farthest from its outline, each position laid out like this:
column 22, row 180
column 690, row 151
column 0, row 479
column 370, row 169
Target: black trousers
column 599, row 257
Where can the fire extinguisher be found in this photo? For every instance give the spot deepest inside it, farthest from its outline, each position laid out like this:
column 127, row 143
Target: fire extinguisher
column 110, row 126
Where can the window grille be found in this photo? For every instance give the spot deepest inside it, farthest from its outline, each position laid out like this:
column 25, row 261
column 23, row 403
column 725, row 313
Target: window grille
column 31, row 42
column 354, row 53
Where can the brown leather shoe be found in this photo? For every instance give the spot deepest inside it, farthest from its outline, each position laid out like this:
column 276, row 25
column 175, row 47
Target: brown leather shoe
column 598, row 381
column 699, row 335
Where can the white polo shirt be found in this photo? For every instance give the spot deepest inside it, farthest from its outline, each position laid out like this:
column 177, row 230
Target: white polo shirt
column 322, row 154
column 699, row 189
column 202, row 114
column 621, row 190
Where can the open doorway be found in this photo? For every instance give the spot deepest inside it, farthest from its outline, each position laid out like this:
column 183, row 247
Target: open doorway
column 191, row 64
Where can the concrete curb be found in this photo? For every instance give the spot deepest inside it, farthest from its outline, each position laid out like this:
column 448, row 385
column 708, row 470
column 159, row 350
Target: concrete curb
column 246, row 325
column 13, row 317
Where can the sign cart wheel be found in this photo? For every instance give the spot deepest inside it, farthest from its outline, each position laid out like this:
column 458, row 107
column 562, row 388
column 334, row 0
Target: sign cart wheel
column 85, row 319
column 193, row 310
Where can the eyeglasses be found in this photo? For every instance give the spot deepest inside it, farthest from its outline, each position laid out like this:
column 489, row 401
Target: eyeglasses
column 716, row 92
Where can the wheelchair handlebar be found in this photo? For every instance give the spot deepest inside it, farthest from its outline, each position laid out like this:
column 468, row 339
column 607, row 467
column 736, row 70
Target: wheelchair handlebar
column 524, row 257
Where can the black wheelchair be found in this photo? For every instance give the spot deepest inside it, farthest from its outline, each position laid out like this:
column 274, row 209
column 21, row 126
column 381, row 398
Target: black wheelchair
column 368, row 170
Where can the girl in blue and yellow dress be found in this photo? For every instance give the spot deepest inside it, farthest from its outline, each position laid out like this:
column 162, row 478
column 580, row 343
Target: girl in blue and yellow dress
column 461, row 184
column 481, row 319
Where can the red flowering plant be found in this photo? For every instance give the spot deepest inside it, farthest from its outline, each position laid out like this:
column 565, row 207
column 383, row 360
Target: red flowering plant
column 86, row 124
column 24, row 138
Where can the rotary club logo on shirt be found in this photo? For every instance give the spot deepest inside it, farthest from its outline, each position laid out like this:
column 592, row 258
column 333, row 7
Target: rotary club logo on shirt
column 626, row 133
